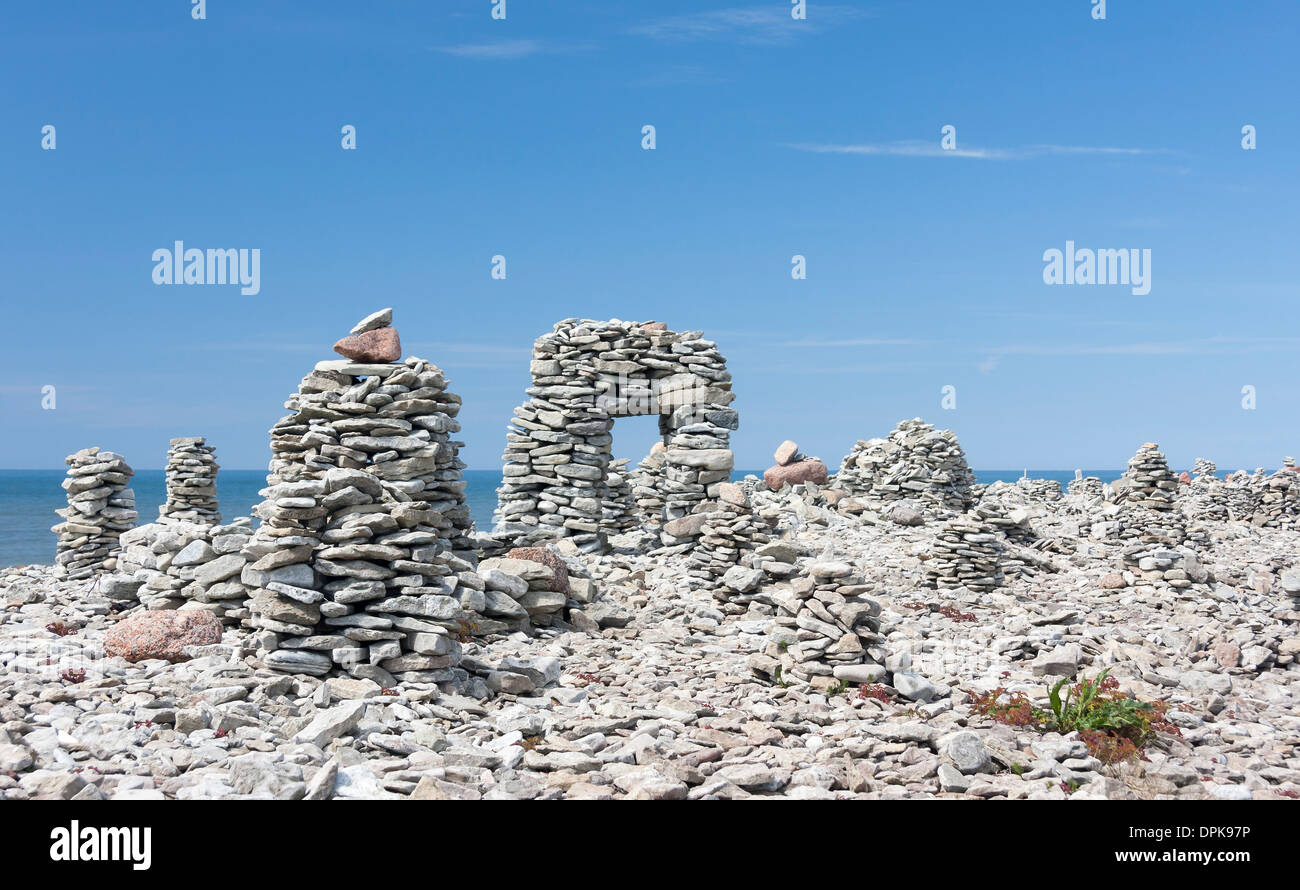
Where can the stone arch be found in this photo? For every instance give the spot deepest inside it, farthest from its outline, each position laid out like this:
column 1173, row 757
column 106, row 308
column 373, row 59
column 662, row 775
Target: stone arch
column 586, row 374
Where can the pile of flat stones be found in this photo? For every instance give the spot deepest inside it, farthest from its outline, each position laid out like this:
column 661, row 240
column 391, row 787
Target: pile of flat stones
column 969, row 552
column 191, row 482
column 1148, row 481
column 1279, row 503
column 647, row 482
column 100, row 507
column 1260, row 498
column 728, row 530
column 1089, row 488
column 619, row 512
column 997, row 509
column 530, row 586
column 1203, row 468
column 823, row 626
column 1159, row 549
column 585, row 374
column 361, row 562
column 185, row 565
column 1040, row 489
column 916, row 462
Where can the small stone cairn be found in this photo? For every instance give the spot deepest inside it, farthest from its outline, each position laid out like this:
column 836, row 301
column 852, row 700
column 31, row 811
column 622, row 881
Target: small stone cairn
column 619, row 513
column 729, row 529
column 968, row 553
column 191, row 481
column 1148, row 482
column 100, row 507
column 647, row 482
column 823, row 626
column 1087, row 488
column 915, row 462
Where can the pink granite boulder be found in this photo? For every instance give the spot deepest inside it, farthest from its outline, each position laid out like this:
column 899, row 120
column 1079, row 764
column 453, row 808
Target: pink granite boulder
column 810, row 470
column 162, row 634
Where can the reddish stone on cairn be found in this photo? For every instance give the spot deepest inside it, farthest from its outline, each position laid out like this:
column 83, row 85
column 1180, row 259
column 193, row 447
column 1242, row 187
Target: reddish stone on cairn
column 162, row 634
column 810, row 470
column 785, row 453
column 1185, row 478
column 378, row 346
column 549, row 559
column 654, row 326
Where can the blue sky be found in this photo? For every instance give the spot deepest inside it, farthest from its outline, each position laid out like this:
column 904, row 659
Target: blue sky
column 775, row 137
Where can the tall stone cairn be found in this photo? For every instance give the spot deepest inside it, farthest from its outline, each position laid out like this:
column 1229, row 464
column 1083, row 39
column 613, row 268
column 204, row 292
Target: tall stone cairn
column 1148, row 481
column 585, row 374
column 191, row 481
column 100, row 507
column 619, row 512
column 358, row 561
column 915, row 462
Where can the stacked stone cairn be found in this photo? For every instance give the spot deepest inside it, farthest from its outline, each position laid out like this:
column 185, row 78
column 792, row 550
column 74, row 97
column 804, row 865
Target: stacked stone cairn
column 1148, row 481
column 358, row 563
column 619, row 512
column 100, row 508
column 728, row 530
column 1159, row 549
column 915, row 462
column 191, row 482
column 1203, row 469
column 998, row 508
column 585, row 374
column 1041, row 490
column 969, row 552
column 1089, row 488
column 822, row 630
column 647, row 482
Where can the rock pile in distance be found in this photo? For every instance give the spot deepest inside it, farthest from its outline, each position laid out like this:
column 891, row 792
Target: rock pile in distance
column 186, row 565
column 191, row 482
column 915, row 461
column 1148, row 481
column 647, row 482
column 100, row 507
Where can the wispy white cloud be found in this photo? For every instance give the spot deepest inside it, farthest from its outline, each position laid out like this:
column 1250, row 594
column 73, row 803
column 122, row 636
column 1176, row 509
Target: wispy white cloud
column 508, row 49
column 757, row 25
column 915, row 148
